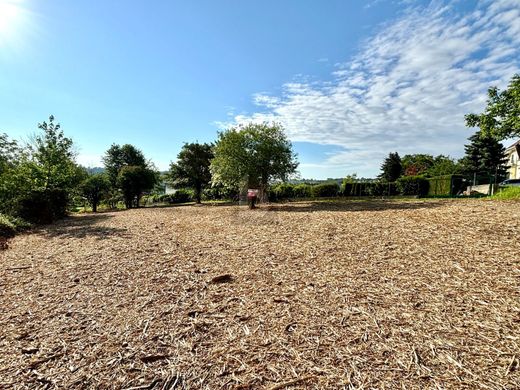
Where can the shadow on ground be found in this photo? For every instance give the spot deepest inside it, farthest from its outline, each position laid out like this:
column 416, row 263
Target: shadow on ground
column 82, row 227
column 355, row 205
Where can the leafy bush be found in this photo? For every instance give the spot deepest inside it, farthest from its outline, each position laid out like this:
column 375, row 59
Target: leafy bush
column 508, row 193
column 180, row 196
column 10, row 225
column 349, row 188
column 281, row 191
column 302, row 191
column 7, row 228
column 218, row 193
column 412, row 185
column 325, row 190
column 43, row 206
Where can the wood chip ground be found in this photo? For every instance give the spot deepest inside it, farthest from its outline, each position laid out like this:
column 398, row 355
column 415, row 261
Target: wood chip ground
column 325, row 295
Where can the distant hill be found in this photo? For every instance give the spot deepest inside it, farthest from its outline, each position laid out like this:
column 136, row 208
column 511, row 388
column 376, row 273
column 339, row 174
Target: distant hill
column 95, row 170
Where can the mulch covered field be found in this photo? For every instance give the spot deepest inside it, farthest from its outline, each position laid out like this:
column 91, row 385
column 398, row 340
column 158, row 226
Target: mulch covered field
column 352, row 294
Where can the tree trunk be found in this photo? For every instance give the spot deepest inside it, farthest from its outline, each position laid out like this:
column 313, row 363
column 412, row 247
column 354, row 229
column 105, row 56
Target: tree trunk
column 198, row 191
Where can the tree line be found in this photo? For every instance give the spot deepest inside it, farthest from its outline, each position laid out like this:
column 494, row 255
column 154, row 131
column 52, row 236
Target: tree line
column 40, row 179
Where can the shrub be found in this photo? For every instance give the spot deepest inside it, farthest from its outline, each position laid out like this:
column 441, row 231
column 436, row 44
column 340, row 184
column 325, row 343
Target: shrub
column 412, row 185
column 7, row 228
column 43, row 206
column 281, row 191
column 182, row 196
column 302, row 191
column 10, row 225
column 325, row 190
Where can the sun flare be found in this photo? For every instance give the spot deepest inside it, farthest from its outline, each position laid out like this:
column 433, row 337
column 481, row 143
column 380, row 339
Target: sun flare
column 11, row 16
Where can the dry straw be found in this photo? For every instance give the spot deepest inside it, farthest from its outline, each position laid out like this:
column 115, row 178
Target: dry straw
column 352, row 295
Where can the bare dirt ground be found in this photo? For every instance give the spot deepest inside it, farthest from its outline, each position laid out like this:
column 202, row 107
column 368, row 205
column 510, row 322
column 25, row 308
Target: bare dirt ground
column 354, row 295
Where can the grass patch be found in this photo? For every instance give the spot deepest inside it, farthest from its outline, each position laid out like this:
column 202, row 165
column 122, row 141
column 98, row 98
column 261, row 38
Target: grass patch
column 507, row 193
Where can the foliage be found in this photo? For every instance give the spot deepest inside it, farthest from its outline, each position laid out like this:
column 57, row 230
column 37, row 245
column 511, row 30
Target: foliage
column 363, row 188
column 417, row 164
column 192, row 168
column 7, row 227
column 133, row 181
column 253, row 155
column 444, row 165
column 94, row 188
column 507, row 193
column 447, row 185
column 219, row 192
column 484, row 156
column 43, row 206
column 501, row 117
column 52, row 163
column 412, row 185
column 129, row 174
column 182, row 195
column 281, row 191
column 37, row 180
column 302, row 190
column 325, row 190
column 117, row 157
column 392, row 168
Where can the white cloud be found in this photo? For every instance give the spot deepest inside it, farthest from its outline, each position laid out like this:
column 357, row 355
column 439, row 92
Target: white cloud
column 407, row 89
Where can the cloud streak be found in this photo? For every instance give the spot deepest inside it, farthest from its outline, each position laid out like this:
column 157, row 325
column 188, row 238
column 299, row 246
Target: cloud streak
column 407, row 89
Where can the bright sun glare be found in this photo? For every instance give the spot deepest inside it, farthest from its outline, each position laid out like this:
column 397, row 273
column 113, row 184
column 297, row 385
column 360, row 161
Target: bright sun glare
column 11, row 14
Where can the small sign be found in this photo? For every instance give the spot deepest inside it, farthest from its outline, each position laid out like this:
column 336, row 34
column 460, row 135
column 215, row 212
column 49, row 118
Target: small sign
column 251, row 193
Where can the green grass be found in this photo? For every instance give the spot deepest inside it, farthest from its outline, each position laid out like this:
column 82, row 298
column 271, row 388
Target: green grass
column 507, row 193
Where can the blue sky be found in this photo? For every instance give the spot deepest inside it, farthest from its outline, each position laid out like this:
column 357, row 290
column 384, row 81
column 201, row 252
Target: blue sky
column 350, row 80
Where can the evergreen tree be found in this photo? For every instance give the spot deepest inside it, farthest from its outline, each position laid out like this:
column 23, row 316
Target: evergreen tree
column 485, row 157
column 392, row 168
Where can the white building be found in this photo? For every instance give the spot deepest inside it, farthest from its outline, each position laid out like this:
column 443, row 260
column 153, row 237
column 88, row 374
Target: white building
column 513, row 160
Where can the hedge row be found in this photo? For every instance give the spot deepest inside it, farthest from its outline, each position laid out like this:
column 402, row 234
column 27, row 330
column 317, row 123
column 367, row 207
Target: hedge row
column 449, row 185
column 179, row 196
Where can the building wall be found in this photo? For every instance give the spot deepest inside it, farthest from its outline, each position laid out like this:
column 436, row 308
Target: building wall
column 513, row 160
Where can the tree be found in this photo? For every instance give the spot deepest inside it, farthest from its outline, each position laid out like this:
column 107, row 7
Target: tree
column 52, row 159
column 417, row 164
column 253, row 155
column 501, row 117
column 485, row 156
column 444, row 165
column 192, row 168
column 93, row 188
column 133, row 181
column 129, row 172
column 116, row 157
column 392, row 168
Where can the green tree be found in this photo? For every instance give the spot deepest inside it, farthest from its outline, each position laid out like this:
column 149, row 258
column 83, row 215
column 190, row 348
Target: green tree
column 133, row 181
column 501, row 117
column 253, row 155
column 52, row 159
column 192, row 168
column 121, row 166
column 94, row 188
column 444, row 165
column 13, row 182
column 392, row 168
column 116, row 157
column 485, row 157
